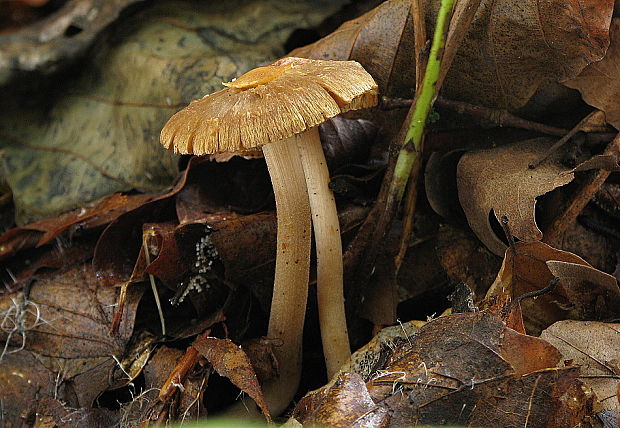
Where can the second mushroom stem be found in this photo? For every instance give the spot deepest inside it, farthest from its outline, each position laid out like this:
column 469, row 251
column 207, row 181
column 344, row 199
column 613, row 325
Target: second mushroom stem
column 330, row 296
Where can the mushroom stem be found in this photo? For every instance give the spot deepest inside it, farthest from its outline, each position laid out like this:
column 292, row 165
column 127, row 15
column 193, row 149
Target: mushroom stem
column 290, row 292
column 329, row 252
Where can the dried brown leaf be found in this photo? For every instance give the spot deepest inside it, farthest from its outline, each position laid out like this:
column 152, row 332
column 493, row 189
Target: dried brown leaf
column 44, row 231
column 456, row 364
column 510, row 49
column 381, row 40
column 595, row 347
column 593, row 294
column 346, row 403
column 346, row 141
column 500, row 180
column 58, row 338
column 440, row 184
column 462, row 369
column 230, row 361
column 465, row 259
column 598, row 82
column 582, row 293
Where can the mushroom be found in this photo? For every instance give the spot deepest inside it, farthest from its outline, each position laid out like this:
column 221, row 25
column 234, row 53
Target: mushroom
column 278, row 107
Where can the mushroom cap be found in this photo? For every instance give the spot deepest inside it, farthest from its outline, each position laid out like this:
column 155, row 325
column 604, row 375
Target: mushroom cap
column 268, row 104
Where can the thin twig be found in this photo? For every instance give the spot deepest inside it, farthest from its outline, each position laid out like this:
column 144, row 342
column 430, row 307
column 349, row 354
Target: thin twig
column 421, row 59
column 496, row 116
column 564, row 139
column 508, row 233
column 536, row 293
column 580, row 199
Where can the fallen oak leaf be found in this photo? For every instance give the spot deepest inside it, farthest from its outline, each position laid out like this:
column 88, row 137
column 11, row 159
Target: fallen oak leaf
column 501, row 181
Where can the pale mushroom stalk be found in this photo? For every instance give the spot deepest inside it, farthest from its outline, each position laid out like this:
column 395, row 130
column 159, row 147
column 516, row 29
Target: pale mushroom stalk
column 330, row 294
column 278, row 107
column 290, row 292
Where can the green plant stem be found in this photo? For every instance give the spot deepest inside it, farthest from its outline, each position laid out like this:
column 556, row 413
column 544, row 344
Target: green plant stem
column 412, row 145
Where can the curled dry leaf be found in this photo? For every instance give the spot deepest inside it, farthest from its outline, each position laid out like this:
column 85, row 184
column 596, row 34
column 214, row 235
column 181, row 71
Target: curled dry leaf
column 381, row 40
column 346, row 403
column 594, row 294
column 595, row 347
column 501, row 181
column 465, row 259
column 346, row 141
column 230, row 361
column 105, row 211
column 440, row 184
column 598, row 82
column 582, row 293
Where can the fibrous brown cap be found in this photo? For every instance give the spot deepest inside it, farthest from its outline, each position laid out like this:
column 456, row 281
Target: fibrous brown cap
column 268, row 104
